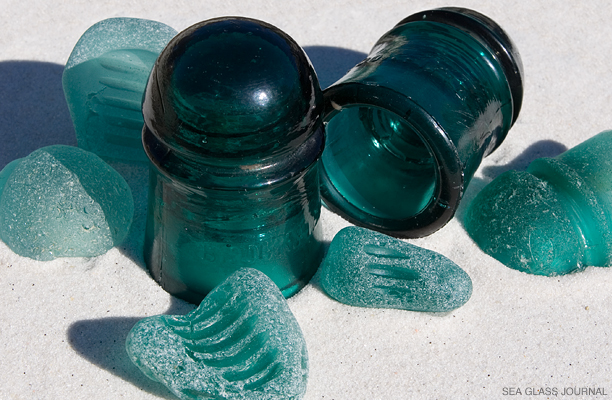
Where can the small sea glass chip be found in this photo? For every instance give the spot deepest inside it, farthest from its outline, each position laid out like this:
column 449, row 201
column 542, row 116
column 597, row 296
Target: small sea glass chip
column 62, row 201
column 368, row 269
column 242, row 342
column 104, row 81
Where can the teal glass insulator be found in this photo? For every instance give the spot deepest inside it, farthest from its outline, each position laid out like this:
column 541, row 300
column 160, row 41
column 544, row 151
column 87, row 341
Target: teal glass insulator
column 233, row 129
column 408, row 126
column 552, row 219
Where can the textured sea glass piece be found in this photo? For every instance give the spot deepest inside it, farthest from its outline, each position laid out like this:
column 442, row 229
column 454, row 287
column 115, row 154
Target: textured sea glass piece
column 62, row 201
column 519, row 220
column 368, row 269
column 242, row 342
column 104, row 81
column 552, row 219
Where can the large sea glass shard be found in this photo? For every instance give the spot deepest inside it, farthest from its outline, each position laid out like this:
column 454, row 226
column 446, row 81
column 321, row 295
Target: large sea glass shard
column 552, row 219
column 242, row 342
column 104, row 81
column 368, row 269
column 62, row 201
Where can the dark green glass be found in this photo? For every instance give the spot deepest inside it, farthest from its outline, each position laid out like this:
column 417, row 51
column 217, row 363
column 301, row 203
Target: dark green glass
column 233, row 130
column 408, row 126
column 552, row 219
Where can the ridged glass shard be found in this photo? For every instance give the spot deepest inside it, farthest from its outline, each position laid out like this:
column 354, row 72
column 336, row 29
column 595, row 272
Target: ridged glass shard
column 368, row 269
column 104, row 81
column 62, row 201
column 242, row 342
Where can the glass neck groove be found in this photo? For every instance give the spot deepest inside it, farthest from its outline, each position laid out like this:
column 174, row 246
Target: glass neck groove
column 582, row 207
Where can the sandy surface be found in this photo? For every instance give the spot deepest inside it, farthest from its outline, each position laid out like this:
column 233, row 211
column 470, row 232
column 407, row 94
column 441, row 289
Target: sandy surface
column 63, row 323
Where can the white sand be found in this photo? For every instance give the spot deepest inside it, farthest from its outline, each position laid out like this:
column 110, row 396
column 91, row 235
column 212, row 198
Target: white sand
column 63, row 323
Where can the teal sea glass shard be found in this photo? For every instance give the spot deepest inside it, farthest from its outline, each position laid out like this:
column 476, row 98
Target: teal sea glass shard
column 62, row 201
column 368, row 269
column 552, row 219
column 104, row 81
column 242, row 342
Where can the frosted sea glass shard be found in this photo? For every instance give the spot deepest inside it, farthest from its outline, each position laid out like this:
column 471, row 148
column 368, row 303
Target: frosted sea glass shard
column 553, row 219
column 368, row 269
column 104, row 80
column 242, row 342
column 521, row 221
column 62, row 201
